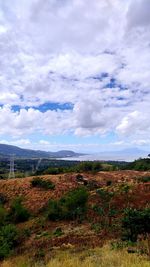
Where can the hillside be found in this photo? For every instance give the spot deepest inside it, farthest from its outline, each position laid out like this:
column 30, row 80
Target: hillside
column 38, row 233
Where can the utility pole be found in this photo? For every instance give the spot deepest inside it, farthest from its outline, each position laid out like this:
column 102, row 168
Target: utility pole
column 12, row 168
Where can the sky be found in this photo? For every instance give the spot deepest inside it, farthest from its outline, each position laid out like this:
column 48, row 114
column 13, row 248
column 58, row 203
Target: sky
column 75, row 74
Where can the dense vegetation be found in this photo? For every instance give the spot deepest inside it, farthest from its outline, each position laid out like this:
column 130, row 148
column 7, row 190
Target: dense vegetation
column 139, row 165
column 26, row 167
column 9, row 234
column 71, row 206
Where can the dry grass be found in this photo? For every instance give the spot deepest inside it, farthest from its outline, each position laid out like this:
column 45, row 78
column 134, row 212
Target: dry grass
column 99, row 257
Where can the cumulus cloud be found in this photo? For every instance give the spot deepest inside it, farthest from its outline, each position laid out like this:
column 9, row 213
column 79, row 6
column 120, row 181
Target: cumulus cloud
column 94, row 55
column 138, row 13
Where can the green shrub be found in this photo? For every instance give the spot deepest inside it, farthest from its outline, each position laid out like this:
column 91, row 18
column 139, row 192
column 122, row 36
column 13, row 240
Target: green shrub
column 54, row 211
column 139, row 165
column 109, row 183
column 71, row 206
column 18, row 213
column 3, row 199
column 53, row 171
column 3, row 215
column 74, row 203
column 125, row 188
column 89, row 166
column 136, row 222
column 8, row 239
column 144, row 179
column 97, row 227
column 58, row 232
column 45, row 184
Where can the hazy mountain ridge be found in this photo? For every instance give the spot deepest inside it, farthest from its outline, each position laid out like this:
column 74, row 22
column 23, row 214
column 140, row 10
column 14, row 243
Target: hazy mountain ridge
column 8, row 150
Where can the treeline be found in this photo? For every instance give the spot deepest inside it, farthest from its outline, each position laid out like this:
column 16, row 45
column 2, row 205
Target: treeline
column 27, row 167
column 85, row 166
column 139, row 165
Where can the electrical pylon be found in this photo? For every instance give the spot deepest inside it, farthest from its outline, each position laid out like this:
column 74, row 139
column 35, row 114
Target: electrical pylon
column 12, row 168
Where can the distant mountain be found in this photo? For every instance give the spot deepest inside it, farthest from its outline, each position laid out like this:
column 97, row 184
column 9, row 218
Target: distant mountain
column 8, row 150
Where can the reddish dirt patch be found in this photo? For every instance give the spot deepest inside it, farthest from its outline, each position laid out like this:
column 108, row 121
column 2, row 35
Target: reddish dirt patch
column 36, row 198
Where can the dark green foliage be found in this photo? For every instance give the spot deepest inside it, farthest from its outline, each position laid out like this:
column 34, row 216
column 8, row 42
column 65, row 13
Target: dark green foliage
column 139, row 165
column 45, row 184
column 74, row 203
column 91, row 185
column 58, row 232
column 39, row 255
column 125, row 188
column 26, row 167
column 54, row 211
column 116, row 245
column 109, row 183
column 97, row 227
column 89, row 166
column 105, row 195
column 85, row 166
column 26, row 232
column 71, row 206
column 145, row 179
column 99, row 210
column 79, row 177
column 3, row 215
column 8, row 239
column 105, row 209
column 53, row 171
column 136, row 222
column 18, row 213
column 3, row 199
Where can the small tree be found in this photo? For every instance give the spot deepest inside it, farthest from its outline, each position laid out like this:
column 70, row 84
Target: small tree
column 137, row 222
column 3, row 215
column 8, row 240
column 18, row 213
column 105, row 209
column 71, row 206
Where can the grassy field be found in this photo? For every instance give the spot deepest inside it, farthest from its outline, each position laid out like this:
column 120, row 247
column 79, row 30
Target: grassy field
column 98, row 257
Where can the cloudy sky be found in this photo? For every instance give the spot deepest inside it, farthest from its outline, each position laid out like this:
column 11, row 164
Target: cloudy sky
column 75, row 74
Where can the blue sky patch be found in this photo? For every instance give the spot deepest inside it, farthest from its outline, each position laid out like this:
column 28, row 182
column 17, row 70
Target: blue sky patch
column 46, row 106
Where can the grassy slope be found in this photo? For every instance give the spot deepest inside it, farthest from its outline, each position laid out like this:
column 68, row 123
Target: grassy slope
column 98, row 257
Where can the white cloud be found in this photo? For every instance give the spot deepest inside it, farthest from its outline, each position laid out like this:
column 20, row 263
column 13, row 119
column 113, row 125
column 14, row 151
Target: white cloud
column 68, row 51
column 138, row 14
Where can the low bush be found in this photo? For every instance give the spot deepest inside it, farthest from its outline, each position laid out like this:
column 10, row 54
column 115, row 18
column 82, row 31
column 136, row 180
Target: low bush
column 54, row 211
column 45, row 184
column 109, row 183
column 144, row 179
column 8, row 240
column 58, row 232
column 69, row 207
column 97, row 227
column 136, row 222
column 18, row 213
column 3, row 215
column 3, row 199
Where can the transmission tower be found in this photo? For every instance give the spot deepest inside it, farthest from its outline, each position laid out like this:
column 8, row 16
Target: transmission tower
column 12, row 168
column 38, row 164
